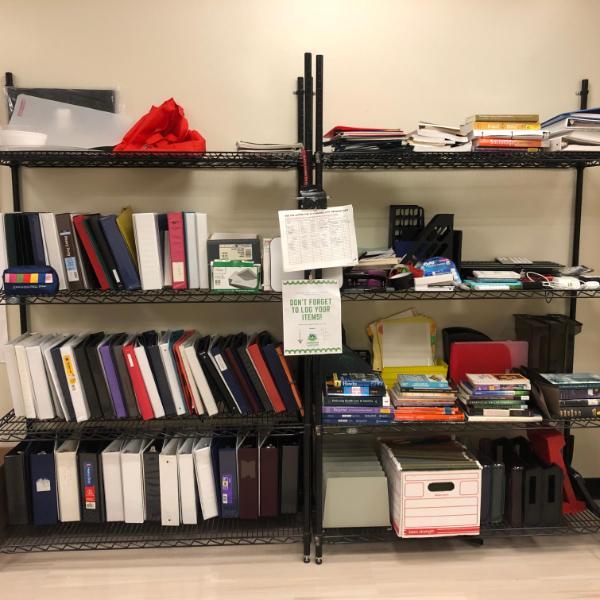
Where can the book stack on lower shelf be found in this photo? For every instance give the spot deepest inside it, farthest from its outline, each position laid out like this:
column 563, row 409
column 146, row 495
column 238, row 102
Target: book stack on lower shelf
column 497, row 397
column 569, row 395
column 424, row 398
column 356, row 399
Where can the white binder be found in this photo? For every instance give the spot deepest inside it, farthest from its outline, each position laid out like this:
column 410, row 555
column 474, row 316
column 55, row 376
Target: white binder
column 113, row 481
column 58, row 399
column 148, row 247
column 25, row 374
column 188, row 498
column 142, row 358
column 202, row 239
column 53, row 250
column 78, row 399
column 42, row 397
column 206, row 394
column 168, row 362
column 169, row 484
column 132, row 476
column 67, row 481
column 12, row 373
column 188, row 372
column 191, row 250
column 205, row 478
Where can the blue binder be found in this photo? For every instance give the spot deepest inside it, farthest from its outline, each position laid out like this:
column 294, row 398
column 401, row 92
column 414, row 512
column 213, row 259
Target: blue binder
column 120, row 252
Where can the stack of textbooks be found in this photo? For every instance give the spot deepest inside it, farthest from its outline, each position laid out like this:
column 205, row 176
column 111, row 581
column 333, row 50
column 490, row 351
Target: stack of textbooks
column 431, row 137
column 571, row 394
column 504, row 132
column 149, row 375
column 424, row 398
column 356, row 399
column 574, row 131
column 351, row 139
column 497, row 397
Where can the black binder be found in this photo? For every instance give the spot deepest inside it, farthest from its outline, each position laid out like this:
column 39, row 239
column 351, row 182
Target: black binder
column 97, row 372
column 150, row 341
column 126, row 387
column 215, row 381
column 152, row 480
column 18, row 484
column 290, row 468
column 91, row 491
column 87, row 381
column 43, row 483
column 241, row 344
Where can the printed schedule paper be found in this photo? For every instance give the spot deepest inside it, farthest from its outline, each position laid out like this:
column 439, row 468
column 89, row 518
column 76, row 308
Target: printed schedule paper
column 316, row 239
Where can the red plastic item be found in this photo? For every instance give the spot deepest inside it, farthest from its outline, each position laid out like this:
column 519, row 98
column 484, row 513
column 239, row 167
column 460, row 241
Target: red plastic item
column 163, row 129
column 548, row 445
column 468, row 357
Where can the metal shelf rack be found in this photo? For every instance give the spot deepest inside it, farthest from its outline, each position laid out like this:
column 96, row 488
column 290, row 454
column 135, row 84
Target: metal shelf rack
column 459, row 160
column 285, row 529
column 170, row 296
column 94, row 159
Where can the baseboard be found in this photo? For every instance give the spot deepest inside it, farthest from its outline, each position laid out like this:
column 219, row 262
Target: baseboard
column 593, row 486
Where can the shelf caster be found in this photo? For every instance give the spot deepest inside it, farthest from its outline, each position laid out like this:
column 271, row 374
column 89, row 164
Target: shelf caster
column 306, row 559
column 319, row 560
column 476, row 541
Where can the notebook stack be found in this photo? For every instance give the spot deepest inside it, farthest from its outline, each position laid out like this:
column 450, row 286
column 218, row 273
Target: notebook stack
column 352, row 139
column 494, row 280
column 504, row 132
column 572, row 394
column 149, row 375
column 430, row 137
column 577, row 131
column 356, row 399
column 497, row 397
column 424, row 398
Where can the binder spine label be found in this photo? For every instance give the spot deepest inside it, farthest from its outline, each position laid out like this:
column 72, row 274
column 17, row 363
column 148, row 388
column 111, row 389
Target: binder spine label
column 227, row 489
column 71, row 268
column 89, row 488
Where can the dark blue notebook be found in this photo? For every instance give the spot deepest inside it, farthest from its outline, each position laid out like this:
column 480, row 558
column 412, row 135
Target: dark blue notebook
column 229, row 378
column 281, row 380
column 228, row 483
column 120, row 252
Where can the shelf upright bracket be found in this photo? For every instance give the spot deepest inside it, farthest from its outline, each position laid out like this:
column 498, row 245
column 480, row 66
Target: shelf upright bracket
column 15, row 176
column 578, row 204
column 300, row 124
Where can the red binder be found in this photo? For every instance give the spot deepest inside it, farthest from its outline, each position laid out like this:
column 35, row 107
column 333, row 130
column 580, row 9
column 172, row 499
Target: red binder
column 177, row 247
column 265, row 375
column 137, row 381
column 185, row 384
column 290, row 378
column 90, row 251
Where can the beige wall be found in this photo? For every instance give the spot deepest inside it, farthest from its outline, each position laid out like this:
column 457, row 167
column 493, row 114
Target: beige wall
column 232, row 65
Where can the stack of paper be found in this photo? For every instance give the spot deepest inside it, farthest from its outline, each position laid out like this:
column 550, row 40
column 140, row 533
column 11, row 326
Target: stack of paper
column 574, row 131
column 350, row 139
column 504, row 132
column 431, row 137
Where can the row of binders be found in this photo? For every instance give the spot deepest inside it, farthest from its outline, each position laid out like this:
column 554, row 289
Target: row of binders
column 150, row 375
column 174, row 482
column 126, row 251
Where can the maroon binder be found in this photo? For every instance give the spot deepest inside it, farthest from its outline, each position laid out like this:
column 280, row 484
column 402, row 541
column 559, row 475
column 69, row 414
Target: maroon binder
column 248, row 482
column 269, row 481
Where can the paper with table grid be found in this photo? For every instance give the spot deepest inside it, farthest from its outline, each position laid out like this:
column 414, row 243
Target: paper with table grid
column 316, row 239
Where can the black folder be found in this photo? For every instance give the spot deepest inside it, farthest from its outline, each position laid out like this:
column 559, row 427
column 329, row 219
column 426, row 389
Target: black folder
column 43, row 483
column 87, row 381
column 150, row 341
column 98, row 377
column 18, row 484
column 290, row 468
column 116, row 348
column 91, row 491
column 152, row 480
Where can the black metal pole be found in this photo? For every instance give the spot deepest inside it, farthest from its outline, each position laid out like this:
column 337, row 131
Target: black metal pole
column 307, row 455
column 15, row 174
column 318, row 462
column 578, row 205
column 308, row 113
column 319, row 123
column 300, row 123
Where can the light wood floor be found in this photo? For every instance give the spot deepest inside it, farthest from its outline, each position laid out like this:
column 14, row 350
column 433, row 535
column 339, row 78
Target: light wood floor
column 548, row 568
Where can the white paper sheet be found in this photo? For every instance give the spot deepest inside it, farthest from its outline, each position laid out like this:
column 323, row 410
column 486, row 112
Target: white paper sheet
column 315, row 239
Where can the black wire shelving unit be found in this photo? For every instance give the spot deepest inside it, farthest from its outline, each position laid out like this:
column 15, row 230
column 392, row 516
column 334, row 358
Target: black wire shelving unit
column 95, row 159
column 459, row 160
column 285, row 529
column 583, row 523
column 15, row 429
column 169, row 296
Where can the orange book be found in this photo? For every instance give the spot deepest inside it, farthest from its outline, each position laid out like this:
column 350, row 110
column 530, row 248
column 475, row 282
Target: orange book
column 505, row 125
column 492, row 142
column 455, row 417
column 290, row 378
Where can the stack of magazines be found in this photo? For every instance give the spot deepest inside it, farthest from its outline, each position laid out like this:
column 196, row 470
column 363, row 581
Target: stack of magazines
column 343, row 138
column 356, row 399
column 424, row 398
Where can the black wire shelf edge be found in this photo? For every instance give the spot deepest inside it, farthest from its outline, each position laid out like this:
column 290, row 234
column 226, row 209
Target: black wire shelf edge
column 457, row 426
column 285, row 529
column 173, row 160
column 169, row 296
column 583, row 523
column 15, row 429
column 460, row 160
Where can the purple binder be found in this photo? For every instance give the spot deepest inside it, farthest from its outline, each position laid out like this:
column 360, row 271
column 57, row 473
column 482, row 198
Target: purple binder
column 112, row 378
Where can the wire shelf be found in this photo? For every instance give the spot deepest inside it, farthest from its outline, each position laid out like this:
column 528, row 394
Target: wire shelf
column 136, row 160
column 15, row 429
column 117, row 536
column 169, row 296
column 579, row 524
column 460, row 160
column 405, row 427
